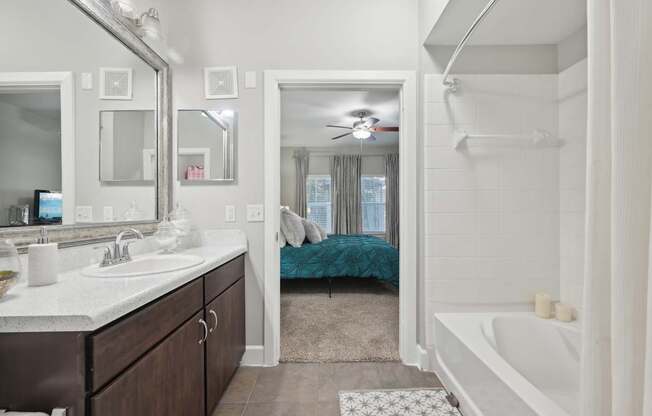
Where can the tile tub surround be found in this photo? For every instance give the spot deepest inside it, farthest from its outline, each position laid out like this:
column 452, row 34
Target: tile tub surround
column 79, row 303
column 312, row 389
column 491, row 210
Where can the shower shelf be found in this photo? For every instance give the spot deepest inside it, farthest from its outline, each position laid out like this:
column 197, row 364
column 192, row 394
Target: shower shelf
column 539, row 138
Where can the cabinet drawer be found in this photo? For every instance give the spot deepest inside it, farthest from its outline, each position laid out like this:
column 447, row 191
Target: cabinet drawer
column 167, row 381
column 116, row 347
column 221, row 278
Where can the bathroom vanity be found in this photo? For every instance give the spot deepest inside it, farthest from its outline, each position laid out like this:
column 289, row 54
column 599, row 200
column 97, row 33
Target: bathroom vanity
column 172, row 355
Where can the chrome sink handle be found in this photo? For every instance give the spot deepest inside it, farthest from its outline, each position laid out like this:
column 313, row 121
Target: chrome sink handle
column 107, row 260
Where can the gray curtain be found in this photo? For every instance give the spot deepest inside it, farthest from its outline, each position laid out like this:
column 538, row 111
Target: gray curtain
column 346, row 175
column 302, row 165
column 392, row 199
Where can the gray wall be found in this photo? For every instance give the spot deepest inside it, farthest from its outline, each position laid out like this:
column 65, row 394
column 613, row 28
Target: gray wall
column 257, row 35
column 59, row 37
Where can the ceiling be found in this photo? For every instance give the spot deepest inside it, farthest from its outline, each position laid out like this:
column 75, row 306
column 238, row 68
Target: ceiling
column 510, row 22
column 306, row 111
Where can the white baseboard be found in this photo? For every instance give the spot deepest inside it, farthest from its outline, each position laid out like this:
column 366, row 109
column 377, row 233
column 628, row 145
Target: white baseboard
column 424, row 359
column 253, row 357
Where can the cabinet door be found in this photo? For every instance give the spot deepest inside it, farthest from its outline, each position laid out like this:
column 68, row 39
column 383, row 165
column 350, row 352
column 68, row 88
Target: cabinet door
column 168, row 380
column 226, row 343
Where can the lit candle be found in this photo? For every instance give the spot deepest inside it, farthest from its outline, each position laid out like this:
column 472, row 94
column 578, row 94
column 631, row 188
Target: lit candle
column 543, row 305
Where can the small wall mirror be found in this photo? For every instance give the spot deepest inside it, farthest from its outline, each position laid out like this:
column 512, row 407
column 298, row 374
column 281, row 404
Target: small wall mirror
column 127, row 146
column 206, row 148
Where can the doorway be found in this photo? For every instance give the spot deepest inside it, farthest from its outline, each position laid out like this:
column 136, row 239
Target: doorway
column 405, row 83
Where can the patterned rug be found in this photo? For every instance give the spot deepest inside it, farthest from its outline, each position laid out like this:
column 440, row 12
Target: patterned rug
column 421, row 402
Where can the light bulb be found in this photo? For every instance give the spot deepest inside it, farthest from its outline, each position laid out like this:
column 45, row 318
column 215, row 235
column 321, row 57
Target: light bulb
column 361, row 134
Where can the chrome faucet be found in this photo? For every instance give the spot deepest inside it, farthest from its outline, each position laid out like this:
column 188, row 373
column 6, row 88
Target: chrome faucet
column 120, row 253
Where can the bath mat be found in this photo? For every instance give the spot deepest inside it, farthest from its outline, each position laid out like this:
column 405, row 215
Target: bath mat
column 407, row 402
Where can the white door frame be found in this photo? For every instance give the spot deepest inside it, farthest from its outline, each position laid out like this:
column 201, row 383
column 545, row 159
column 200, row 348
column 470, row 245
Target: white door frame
column 406, row 82
column 65, row 82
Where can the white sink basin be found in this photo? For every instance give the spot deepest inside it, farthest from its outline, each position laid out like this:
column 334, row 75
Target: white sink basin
column 145, row 265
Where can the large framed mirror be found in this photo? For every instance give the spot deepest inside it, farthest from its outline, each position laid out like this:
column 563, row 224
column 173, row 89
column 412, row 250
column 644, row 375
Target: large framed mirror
column 84, row 123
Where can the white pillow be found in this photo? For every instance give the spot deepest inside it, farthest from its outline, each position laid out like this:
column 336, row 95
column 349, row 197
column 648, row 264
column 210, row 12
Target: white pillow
column 322, row 232
column 312, row 231
column 292, row 227
column 282, row 242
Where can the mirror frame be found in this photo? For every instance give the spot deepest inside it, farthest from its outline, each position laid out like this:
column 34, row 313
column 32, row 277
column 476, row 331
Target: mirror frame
column 72, row 235
column 233, row 153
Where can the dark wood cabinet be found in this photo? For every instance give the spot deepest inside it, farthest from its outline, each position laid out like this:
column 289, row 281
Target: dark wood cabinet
column 225, row 344
column 150, row 362
column 168, row 381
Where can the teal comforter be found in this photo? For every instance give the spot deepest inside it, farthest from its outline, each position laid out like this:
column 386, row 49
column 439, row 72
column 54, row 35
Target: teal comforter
column 353, row 255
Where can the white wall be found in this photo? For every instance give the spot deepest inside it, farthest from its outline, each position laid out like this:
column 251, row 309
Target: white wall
column 572, row 180
column 258, row 35
column 67, row 40
column 491, row 211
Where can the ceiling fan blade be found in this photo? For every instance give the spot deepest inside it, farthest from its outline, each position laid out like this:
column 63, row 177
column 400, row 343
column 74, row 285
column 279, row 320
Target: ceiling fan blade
column 381, row 129
column 338, row 127
column 370, row 121
column 340, row 136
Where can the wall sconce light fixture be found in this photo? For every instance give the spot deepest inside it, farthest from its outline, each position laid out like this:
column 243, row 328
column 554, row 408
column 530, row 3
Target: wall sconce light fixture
column 147, row 24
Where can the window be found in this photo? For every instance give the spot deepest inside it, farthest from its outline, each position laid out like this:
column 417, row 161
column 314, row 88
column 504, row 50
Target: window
column 318, row 193
column 373, row 204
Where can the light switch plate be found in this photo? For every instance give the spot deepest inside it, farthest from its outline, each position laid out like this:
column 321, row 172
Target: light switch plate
column 255, row 213
column 84, row 213
column 87, row 81
column 250, row 79
column 229, row 213
column 108, row 214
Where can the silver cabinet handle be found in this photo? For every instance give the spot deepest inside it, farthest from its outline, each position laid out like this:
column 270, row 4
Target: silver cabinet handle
column 203, row 323
column 212, row 312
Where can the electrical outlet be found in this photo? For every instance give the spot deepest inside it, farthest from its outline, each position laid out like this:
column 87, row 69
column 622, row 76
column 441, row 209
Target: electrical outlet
column 229, row 213
column 108, row 214
column 255, row 213
column 84, row 213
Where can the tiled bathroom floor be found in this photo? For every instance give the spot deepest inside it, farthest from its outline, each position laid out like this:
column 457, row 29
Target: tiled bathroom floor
column 311, row 389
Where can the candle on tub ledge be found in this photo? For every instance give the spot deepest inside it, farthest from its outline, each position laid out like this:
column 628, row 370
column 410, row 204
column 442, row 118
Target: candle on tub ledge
column 543, row 305
column 563, row 312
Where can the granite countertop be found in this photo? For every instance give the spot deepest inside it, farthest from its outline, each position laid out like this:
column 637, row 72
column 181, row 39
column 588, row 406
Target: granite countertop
column 80, row 303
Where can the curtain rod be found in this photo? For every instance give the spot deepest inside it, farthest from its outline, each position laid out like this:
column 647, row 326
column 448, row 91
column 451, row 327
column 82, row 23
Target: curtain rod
column 454, row 83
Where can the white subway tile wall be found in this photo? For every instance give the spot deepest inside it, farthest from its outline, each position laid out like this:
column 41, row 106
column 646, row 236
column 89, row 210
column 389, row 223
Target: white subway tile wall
column 492, row 211
column 572, row 179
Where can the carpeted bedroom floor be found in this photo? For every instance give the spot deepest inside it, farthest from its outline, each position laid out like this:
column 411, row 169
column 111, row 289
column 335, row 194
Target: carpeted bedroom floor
column 359, row 323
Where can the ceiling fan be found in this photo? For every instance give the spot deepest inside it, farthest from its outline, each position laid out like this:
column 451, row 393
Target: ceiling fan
column 363, row 129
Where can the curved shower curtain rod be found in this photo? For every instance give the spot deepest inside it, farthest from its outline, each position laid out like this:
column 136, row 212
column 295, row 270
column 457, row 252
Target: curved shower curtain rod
column 453, row 84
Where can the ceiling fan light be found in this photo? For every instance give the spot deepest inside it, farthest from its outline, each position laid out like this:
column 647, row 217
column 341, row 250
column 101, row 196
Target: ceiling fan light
column 361, row 134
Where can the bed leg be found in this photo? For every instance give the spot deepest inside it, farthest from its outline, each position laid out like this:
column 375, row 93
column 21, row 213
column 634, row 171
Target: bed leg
column 330, row 288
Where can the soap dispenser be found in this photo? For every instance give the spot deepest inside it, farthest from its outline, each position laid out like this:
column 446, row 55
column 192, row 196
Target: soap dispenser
column 42, row 261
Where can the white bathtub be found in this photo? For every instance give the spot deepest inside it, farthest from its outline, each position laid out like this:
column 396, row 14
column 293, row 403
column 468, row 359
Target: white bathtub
column 511, row 364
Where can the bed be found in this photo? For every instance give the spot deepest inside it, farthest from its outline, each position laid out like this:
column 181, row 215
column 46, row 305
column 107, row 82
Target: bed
column 355, row 255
